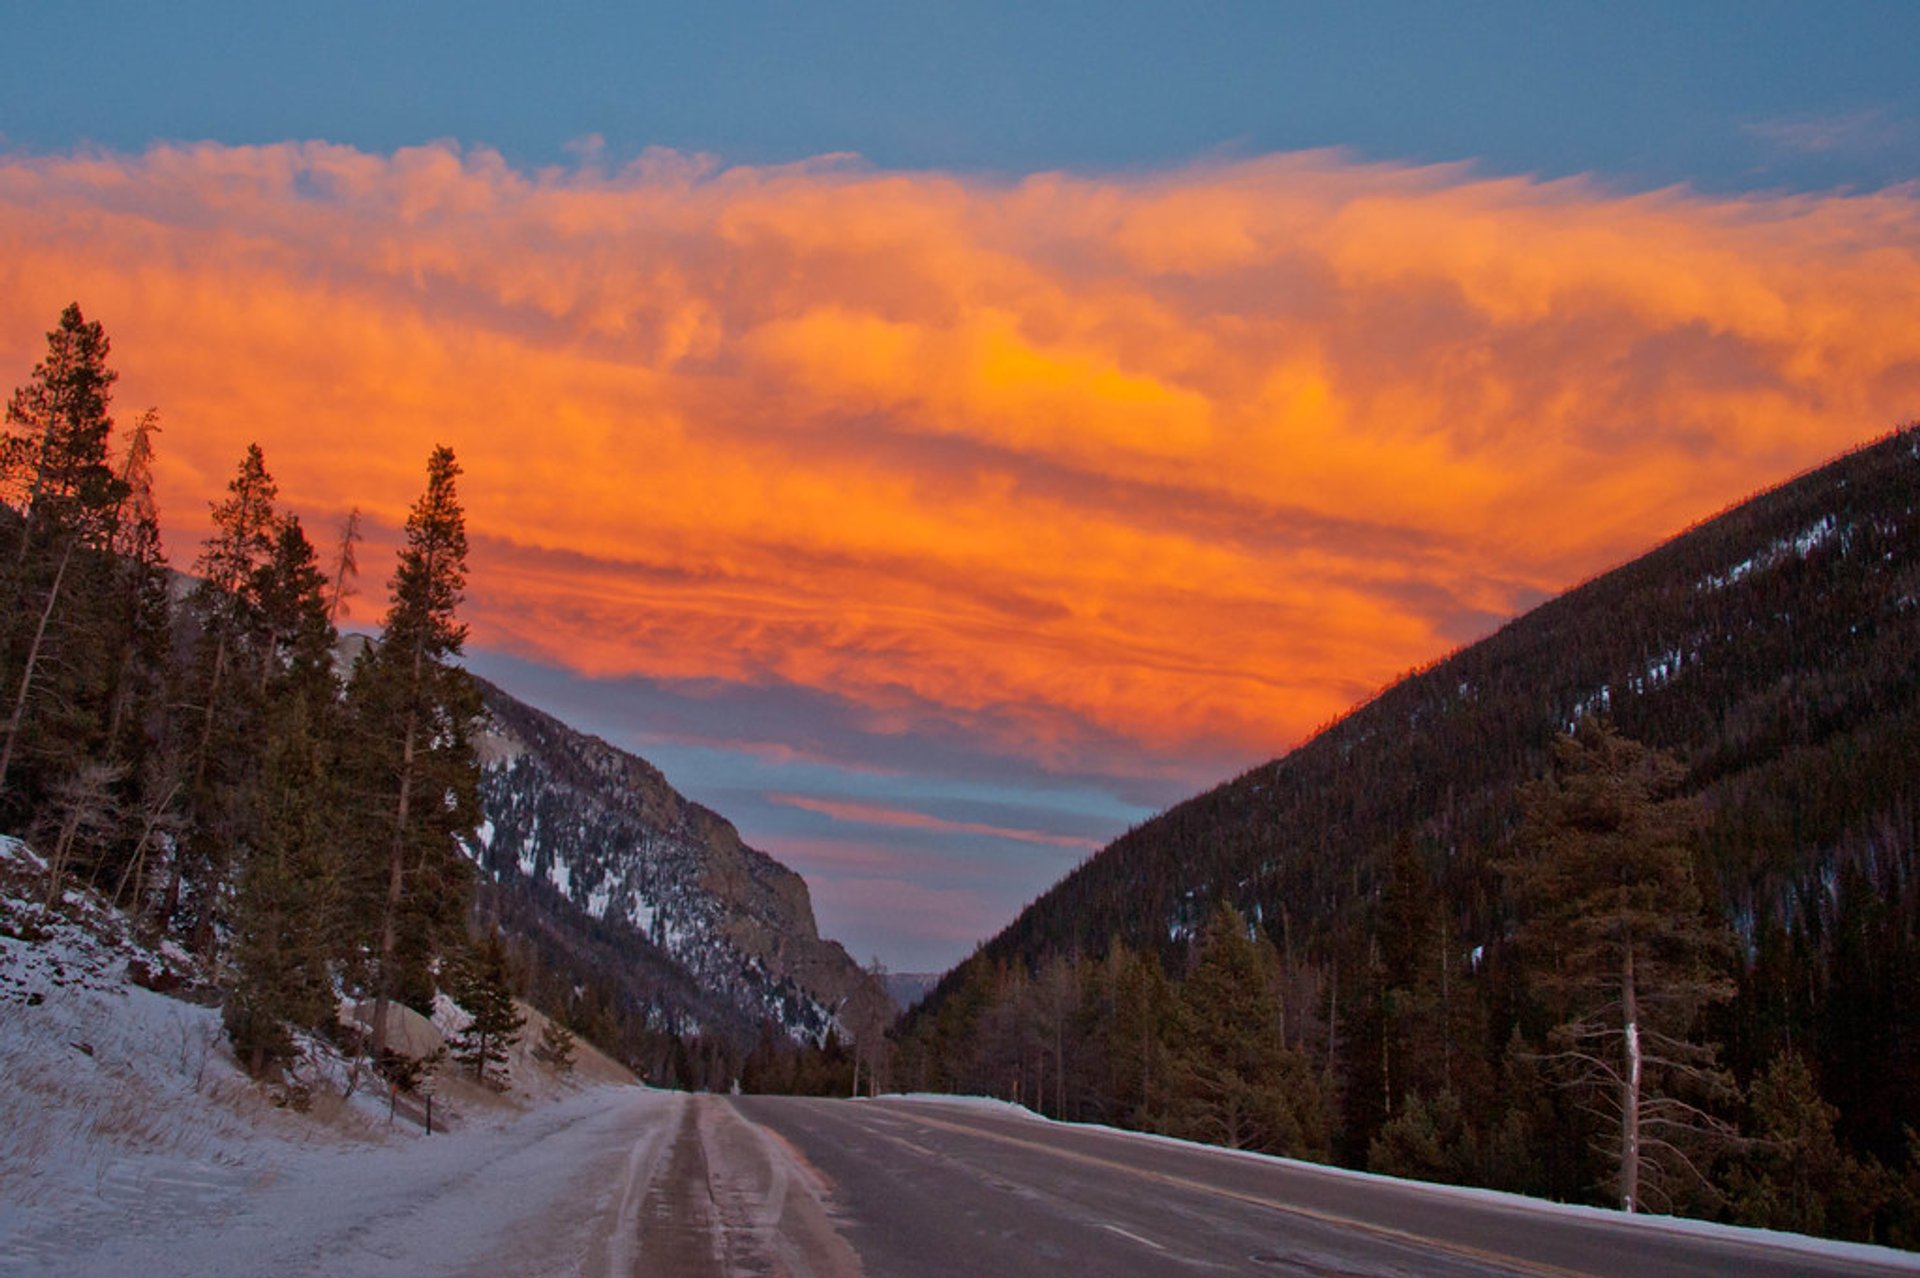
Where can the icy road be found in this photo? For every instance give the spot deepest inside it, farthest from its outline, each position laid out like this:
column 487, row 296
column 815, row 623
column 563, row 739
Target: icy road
column 624, row 1181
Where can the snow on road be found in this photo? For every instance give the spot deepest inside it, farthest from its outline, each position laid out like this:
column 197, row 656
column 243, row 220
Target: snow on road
column 555, row 1191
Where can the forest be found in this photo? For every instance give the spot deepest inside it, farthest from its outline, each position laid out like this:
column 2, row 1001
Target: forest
column 1663, row 828
column 195, row 748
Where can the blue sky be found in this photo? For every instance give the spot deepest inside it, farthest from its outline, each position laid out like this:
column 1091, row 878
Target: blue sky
column 1729, row 101
column 1717, row 94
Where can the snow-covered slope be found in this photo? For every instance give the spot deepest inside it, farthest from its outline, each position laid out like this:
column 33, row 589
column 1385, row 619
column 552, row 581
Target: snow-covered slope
column 130, row 1141
column 718, row 937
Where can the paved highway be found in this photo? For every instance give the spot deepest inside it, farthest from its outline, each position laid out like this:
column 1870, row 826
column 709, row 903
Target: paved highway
column 915, row 1189
column 625, row 1182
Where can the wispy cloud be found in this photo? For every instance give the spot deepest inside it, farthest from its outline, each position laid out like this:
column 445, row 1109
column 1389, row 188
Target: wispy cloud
column 862, row 813
column 1859, row 132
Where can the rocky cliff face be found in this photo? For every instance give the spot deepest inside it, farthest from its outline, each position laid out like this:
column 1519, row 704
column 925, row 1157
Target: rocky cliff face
column 713, row 936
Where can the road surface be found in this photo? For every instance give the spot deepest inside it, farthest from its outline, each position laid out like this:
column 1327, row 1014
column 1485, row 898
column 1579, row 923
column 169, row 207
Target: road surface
column 920, row 1189
column 621, row 1182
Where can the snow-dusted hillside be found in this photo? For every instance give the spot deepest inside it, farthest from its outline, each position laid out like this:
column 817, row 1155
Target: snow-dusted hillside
column 717, row 936
column 130, row 1140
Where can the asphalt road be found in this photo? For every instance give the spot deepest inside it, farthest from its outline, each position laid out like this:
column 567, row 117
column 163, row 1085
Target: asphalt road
column 928, row 1190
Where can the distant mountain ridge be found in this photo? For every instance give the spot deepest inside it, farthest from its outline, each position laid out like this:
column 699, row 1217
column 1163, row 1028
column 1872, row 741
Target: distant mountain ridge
column 1774, row 648
column 603, row 867
column 908, row 988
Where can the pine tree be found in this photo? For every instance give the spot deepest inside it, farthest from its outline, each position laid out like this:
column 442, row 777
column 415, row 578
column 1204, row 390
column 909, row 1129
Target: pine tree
column 1137, row 1051
column 485, row 989
column 346, row 567
column 297, row 621
column 1794, row 1174
column 1235, row 1081
column 227, row 704
column 233, row 566
column 413, row 713
column 55, row 476
column 1427, row 1141
column 1612, row 916
column 288, row 910
column 557, row 1046
column 145, row 618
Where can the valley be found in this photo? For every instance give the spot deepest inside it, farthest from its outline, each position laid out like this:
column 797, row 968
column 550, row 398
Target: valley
column 859, row 640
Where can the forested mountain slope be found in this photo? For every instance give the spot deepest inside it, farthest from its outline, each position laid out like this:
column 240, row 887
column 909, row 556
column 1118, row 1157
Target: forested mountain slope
column 1775, row 650
column 610, row 875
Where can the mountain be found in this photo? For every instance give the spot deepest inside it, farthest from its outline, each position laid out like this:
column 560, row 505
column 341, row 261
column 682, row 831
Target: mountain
column 908, row 988
column 1775, row 649
column 611, row 876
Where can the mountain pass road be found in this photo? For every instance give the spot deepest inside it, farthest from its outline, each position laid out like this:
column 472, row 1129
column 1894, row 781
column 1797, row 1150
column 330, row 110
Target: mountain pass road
column 903, row 1188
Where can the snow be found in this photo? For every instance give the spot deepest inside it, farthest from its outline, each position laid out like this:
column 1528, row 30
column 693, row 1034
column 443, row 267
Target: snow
column 1599, row 701
column 1800, row 544
column 599, row 899
column 130, row 1142
column 536, row 1196
column 1814, row 536
column 987, row 1104
column 1661, row 669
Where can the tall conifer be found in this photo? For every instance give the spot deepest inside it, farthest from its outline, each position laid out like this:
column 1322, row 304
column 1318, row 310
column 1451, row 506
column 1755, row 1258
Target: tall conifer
column 485, row 989
column 55, row 476
column 289, row 908
column 414, row 712
column 1236, row 1082
column 226, row 707
column 1612, row 918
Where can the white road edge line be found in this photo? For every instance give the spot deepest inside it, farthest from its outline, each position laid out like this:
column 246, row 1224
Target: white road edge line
column 1144, row 1242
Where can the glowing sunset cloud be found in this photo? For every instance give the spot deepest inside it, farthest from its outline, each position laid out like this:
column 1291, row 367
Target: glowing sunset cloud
column 880, row 814
column 1190, row 459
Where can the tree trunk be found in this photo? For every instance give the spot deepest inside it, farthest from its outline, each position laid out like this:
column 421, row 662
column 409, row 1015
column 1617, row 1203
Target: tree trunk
column 1630, row 1092
column 62, row 849
column 1059, row 1067
column 389, row 916
column 206, row 719
column 33, row 659
column 138, row 860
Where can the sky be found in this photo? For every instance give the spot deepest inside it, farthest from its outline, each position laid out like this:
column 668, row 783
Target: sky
column 941, row 436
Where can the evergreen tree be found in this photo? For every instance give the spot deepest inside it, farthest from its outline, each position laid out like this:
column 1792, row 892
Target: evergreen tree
column 297, row 621
column 1235, row 1081
column 413, row 713
column 63, row 494
column 227, row 706
column 144, row 620
column 346, row 567
column 1612, row 916
column 484, row 988
column 233, row 566
column 1427, row 1142
column 1137, row 1052
column 289, row 921
column 557, row 1046
column 1794, row 1174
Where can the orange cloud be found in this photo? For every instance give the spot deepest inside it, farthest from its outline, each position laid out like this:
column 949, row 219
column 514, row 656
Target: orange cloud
column 859, row 813
column 1193, row 458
